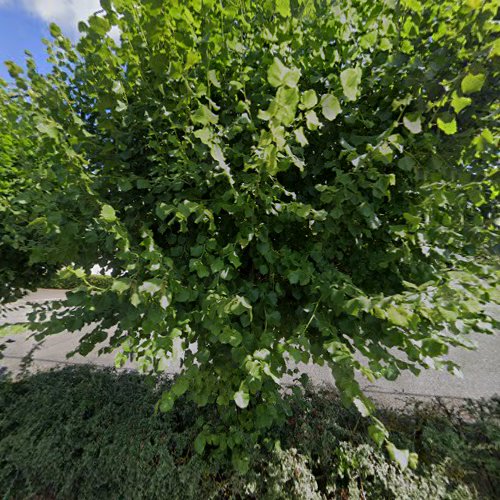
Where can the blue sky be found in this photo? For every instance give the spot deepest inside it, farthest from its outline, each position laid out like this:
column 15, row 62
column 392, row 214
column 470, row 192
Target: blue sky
column 20, row 30
column 23, row 23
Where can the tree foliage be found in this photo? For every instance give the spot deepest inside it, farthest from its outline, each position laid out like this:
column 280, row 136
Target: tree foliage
column 269, row 181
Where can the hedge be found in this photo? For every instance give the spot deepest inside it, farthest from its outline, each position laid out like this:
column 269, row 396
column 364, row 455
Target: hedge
column 69, row 282
column 87, row 433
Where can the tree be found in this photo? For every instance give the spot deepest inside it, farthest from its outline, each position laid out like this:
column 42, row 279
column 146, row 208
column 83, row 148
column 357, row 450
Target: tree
column 270, row 181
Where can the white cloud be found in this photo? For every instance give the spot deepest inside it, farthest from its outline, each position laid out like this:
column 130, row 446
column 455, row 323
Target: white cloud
column 65, row 13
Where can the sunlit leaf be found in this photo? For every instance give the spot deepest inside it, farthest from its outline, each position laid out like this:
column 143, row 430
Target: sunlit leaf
column 351, row 80
column 447, row 124
column 472, row 83
column 241, row 399
column 412, row 122
column 330, row 107
column 108, row 213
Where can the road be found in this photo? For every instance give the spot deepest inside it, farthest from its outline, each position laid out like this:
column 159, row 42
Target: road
column 481, row 368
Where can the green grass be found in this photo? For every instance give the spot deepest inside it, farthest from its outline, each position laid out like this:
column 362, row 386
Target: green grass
column 87, row 433
column 14, row 329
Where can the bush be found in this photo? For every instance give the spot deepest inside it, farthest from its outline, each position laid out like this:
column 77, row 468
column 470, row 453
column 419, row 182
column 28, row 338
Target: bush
column 86, row 433
column 69, row 281
column 271, row 181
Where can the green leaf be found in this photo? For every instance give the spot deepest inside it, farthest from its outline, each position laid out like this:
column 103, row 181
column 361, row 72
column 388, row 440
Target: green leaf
column 434, row 347
column 351, row 79
column 55, row 31
column 299, row 135
column 135, row 299
column 459, row 103
column 165, row 301
column 167, row 402
column 330, row 107
column 283, row 7
column 204, row 116
column 180, row 386
column 239, row 305
column 151, row 287
column 200, row 443
column 472, row 83
column 14, row 69
column 309, row 99
column 217, row 265
column 447, row 124
column 120, row 106
column 357, row 304
column 117, row 87
column 361, row 407
column 205, row 135
column 495, row 49
column 378, row 433
column 108, row 213
column 294, row 276
column 412, row 219
column 413, row 122
column 241, row 398
column 398, row 316
column 197, row 251
column 415, row 5
column 202, row 271
column 228, row 334
column 285, row 105
column 120, row 285
column 240, row 462
column 312, row 121
column 401, row 457
column 413, row 460
column 474, row 4
column 278, row 74
column 99, row 25
column 212, row 78
column 406, row 163
column 79, row 272
column 48, row 128
column 163, row 210
column 369, row 40
column 120, row 360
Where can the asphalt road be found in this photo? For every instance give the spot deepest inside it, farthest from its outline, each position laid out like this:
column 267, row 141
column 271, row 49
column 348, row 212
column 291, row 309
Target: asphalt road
column 481, row 368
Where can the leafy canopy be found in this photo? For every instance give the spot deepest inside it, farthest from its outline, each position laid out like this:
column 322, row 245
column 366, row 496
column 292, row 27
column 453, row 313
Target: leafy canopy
column 269, row 182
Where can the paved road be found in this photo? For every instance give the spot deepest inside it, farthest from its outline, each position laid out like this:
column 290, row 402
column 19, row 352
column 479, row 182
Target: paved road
column 481, row 368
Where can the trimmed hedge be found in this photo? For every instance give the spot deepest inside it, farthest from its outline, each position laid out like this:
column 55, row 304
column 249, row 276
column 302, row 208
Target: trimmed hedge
column 88, row 433
column 72, row 281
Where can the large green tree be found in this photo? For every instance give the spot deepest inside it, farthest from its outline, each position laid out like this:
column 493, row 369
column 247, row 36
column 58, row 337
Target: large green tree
column 268, row 181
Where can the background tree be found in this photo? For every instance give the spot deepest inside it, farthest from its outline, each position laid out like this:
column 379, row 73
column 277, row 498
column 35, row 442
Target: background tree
column 268, row 181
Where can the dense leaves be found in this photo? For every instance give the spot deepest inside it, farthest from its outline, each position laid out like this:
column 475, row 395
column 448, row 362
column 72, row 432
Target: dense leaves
column 268, row 181
column 61, row 436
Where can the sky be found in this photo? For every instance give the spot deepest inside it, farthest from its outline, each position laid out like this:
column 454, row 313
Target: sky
column 23, row 23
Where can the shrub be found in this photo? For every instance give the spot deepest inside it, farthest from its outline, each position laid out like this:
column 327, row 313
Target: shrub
column 85, row 433
column 67, row 279
column 269, row 181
